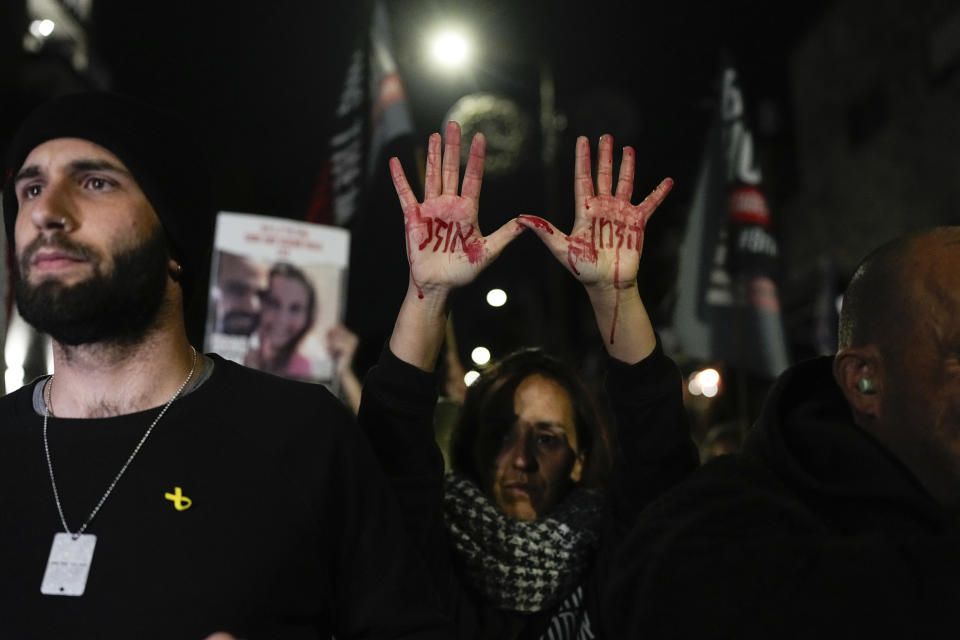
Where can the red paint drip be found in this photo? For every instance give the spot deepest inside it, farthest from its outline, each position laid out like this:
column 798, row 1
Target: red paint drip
column 640, row 229
column 538, row 222
column 570, row 261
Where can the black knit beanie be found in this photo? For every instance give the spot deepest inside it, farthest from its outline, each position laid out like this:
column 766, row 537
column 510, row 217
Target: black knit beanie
column 161, row 153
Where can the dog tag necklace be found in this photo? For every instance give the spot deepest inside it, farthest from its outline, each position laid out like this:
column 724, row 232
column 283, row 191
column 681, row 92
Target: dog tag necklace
column 72, row 553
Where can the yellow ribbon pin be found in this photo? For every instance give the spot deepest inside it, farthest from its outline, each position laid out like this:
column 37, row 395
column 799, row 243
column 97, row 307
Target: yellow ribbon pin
column 180, row 501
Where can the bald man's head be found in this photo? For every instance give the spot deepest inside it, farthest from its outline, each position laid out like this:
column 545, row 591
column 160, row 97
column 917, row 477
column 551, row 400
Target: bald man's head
column 898, row 364
column 873, row 302
column 878, row 305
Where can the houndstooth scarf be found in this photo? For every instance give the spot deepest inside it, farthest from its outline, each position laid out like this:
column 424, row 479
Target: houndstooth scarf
column 523, row 566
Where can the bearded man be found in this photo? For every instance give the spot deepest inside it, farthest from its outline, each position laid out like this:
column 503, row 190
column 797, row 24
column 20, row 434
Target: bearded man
column 148, row 490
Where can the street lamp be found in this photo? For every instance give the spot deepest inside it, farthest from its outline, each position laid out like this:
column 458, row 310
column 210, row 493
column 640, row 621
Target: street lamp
column 450, row 48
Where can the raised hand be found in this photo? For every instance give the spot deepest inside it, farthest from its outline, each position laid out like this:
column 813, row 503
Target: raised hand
column 606, row 242
column 603, row 250
column 342, row 345
column 445, row 247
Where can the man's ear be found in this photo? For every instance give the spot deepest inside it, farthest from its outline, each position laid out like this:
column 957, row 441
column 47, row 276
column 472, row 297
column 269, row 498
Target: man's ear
column 859, row 375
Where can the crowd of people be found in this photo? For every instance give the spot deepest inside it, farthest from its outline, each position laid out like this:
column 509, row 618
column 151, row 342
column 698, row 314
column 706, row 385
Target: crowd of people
column 151, row 490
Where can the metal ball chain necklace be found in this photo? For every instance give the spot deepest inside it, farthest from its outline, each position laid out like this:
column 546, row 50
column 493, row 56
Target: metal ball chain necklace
column 72, row 553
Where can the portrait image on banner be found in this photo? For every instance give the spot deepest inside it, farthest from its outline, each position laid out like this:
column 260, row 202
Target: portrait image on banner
column 277, row 286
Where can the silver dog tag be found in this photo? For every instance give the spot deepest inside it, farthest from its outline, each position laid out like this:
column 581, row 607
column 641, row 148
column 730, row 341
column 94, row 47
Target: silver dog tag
column 68, row 565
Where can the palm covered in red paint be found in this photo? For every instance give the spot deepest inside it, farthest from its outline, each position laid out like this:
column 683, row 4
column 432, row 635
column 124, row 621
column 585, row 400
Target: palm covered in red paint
column 606, row 242
column 445, row 247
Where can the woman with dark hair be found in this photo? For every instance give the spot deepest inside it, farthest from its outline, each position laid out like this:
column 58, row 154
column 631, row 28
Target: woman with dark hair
column 287, row 315
column 516, row 535
column 488, row 413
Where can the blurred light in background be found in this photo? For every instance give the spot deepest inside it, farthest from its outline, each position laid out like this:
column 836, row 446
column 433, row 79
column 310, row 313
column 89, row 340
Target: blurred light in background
column 13, row 377
column 15, row 352
column 42, row 28
column 705, row 383
column 496, row 297
column 23, row 344
column 60, row 27
column 480, row 355
column 450, row 48
column 470, row 377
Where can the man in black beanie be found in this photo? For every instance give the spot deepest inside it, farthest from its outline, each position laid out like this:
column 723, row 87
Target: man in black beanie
column 147, row 490
column 159, row 153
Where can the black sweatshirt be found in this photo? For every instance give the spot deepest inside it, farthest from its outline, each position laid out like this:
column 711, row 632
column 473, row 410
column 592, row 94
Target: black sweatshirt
column 815, row 531
column 292, row 531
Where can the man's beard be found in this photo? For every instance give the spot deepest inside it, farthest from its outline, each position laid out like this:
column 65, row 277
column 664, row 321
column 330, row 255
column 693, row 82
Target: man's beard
column 119, row 307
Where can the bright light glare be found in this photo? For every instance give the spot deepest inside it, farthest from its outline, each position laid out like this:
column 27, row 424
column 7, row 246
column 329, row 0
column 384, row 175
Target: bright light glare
column 13, row 378
column 450, row 49
column 706, row 383
column 496, row 297
column 480, row 355
column 42, row 28
column 709, row 378
column 15, row 352
column 470, row 377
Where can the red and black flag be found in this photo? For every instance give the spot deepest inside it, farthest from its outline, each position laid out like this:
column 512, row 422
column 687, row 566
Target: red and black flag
column 727, row 305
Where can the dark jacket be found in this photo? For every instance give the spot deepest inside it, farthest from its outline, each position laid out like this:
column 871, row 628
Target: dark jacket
column 654, row 452
column 816, row 530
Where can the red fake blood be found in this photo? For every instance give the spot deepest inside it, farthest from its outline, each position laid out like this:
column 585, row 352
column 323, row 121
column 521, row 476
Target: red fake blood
column 538, row 222
column 616, row 289
column 446, row 246
column 406, row 233
column 616, row 271
column 570, row 255
column 427, row 240
column 580, row 249
column 474, row 251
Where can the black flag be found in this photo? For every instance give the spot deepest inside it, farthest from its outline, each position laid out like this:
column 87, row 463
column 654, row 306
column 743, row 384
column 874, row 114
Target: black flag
column 727, row 305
